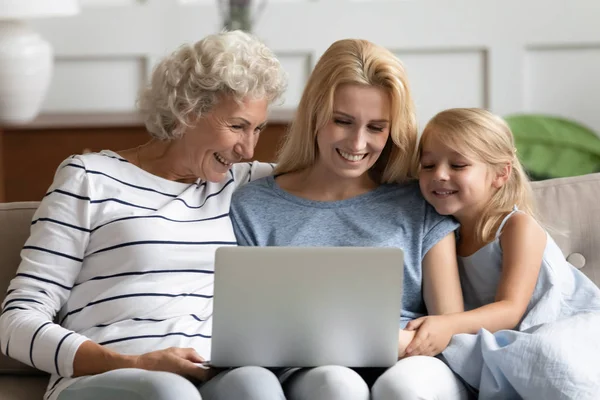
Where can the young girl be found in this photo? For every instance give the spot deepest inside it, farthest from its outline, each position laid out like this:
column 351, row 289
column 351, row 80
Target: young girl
column 532, row 320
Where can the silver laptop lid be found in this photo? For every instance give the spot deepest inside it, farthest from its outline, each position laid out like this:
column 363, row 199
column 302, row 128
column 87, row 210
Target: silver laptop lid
column 306, row 306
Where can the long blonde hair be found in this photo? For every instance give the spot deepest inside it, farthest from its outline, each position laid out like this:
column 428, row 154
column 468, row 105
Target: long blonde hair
column 358, row 62
column 479, row 134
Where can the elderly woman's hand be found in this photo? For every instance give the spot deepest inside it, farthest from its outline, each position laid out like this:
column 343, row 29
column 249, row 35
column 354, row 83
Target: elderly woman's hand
column 177, row 360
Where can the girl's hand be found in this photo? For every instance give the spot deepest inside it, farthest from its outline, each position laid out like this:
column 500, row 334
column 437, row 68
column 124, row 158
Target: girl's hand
column 433, row 335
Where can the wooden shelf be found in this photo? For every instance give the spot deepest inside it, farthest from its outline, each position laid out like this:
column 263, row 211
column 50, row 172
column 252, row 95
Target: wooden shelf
column 2, row 196
column 116, row 119
column 30, row 155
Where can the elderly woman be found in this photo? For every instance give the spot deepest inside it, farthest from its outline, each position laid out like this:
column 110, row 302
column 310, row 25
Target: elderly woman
column 113, row 295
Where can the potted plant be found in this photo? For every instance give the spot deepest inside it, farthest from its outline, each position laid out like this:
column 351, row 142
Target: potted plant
column 240, row 14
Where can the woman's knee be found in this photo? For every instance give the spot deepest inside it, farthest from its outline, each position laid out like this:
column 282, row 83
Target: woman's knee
column 135, row 384
column 166, row 386
column 247, row 383
column 327, row 383
column 419, row 378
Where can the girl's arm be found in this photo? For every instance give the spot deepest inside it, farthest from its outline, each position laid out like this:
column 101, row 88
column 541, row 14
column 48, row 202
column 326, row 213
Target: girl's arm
column 441, row 284
column 523, row 242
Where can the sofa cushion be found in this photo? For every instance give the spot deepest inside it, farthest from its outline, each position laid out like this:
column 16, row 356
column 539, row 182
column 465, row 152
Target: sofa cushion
column 22, row 387
column 568, row 206
column 15, row 220
column 570, row 211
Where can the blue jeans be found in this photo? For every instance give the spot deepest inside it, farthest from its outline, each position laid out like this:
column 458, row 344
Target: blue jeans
column 251, row 383
column 423, row 378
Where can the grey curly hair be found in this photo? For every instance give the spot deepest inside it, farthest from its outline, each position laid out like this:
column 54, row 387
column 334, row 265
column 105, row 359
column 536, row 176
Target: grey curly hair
column 187, row 84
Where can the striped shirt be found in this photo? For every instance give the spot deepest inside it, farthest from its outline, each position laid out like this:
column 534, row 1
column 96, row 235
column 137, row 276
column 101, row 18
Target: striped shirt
column 121, row 257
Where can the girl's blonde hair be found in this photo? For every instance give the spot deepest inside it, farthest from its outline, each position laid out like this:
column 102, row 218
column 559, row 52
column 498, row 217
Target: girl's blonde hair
column 354, row 61
column 478, row 134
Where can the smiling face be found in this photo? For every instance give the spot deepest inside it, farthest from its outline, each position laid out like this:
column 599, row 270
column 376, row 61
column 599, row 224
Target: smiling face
column 453, row 183
column 352, row 141
column 225, row 135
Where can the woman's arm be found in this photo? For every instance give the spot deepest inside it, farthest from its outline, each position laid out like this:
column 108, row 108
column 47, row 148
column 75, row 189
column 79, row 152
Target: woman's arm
column 50, row 264
column 245, row 172
column 93, row 359
column 443, row 296
column 441, row 284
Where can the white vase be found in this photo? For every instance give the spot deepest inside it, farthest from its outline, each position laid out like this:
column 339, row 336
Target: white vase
column 25, row 70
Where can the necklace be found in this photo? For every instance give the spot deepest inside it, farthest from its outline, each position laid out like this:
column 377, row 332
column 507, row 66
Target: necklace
column 137, row 156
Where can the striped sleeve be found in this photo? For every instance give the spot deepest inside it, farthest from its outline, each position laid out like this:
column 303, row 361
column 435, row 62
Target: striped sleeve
column 50, row 262
column 251, row 171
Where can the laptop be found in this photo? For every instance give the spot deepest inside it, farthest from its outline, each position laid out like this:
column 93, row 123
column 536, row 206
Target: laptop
column 306, row 306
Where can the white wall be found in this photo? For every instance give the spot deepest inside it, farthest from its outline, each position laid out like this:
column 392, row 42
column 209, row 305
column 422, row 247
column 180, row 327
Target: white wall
column 506, row 55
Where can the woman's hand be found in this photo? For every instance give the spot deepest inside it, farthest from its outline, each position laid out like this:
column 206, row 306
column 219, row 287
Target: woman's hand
column 181, row 361
column 433, row 334
column 404, row 340
column 93, row 359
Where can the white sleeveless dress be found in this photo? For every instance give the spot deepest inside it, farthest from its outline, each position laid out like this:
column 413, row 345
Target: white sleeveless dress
column 555, row 351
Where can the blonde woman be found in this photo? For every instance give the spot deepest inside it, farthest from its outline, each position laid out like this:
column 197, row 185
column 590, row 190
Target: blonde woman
column 344, row 179
column 533, row 320
column 122, row 246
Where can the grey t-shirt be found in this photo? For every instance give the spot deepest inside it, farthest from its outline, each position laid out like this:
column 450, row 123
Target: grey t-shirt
column 391, row 215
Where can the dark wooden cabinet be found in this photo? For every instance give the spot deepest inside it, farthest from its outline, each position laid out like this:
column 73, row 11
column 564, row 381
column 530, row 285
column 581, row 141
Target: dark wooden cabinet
column 2, row 196
column 29, row 157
